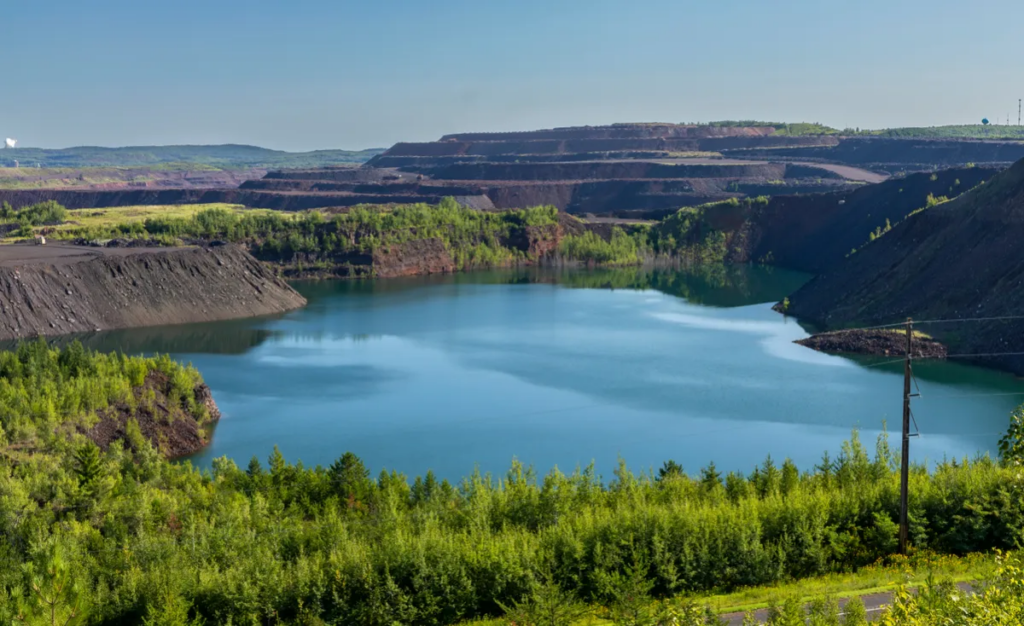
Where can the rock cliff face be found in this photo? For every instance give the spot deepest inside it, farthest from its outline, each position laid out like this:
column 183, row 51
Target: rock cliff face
column 59, row 289
column 413, row 258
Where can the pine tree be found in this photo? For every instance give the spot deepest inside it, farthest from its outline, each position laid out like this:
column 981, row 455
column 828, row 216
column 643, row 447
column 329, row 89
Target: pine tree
column 710, row 478
column 88, row 467
column 670, row 469
column 790, row 477
column 255, row 469
column 825, row 468
column 276, row 462
column 350, row 479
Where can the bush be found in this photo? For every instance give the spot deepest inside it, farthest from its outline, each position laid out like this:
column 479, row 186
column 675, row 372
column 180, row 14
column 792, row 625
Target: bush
column 48, row 212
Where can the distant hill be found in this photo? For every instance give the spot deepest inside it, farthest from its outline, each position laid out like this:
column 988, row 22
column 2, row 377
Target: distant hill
column 227, row 156
column 966, row 131
column 960, row 259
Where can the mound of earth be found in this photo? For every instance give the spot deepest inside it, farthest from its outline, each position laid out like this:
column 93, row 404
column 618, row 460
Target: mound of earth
column 961, row 260
column 58, row 289
column 169, row 425
column 814, row 232
column 881, row 342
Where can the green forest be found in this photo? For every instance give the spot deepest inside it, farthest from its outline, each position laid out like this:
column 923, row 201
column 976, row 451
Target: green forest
column 344, row 243
column 123, row 535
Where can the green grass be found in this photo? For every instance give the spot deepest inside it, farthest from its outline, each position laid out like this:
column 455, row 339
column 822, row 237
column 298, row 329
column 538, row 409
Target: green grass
column 83, row 220
column 872, row 579
column 109, row 217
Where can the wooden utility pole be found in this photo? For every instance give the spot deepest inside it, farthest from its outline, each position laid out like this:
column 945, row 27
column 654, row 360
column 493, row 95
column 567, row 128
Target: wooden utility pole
column 905, row 469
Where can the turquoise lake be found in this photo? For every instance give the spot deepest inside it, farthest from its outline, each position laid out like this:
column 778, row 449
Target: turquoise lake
column 561, row 369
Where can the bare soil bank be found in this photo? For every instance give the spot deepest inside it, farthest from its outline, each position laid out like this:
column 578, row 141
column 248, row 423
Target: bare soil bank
column 60, row 289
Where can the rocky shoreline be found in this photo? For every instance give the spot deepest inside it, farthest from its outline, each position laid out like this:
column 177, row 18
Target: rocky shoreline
column 878, row 342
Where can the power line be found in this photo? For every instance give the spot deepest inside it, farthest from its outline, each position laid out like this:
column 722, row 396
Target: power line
column 961, row 356
column 938, row 321
column 971, row 319
column 975, row 395
column 883, row 363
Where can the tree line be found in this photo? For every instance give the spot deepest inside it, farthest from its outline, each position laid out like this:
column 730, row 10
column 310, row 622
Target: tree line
column 124, row 536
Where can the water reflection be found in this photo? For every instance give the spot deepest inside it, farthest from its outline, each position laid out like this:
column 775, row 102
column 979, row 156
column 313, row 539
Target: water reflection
column 711, row 285
column 229, row 337
column 558, row 367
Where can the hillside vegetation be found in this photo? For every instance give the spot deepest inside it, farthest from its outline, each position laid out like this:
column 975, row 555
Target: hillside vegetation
column 344, row 244
column 47, row 393
column 123, row 536
column 951, row 260
column 795, row 129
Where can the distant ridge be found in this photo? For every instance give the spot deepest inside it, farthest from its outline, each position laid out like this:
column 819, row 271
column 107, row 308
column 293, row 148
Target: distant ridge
column 220, row 156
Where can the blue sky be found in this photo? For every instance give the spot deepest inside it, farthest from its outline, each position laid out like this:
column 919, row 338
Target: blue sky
column 308, row 74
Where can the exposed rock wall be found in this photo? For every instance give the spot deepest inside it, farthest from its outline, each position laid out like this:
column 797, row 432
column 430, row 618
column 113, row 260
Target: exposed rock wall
column 413, row 258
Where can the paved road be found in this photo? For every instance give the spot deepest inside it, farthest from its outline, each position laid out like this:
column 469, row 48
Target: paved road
column 874, row 604
column 849, row 172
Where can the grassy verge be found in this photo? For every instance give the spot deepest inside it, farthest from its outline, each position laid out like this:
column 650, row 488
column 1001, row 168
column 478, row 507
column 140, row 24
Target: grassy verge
column 882, row 577
column 867, row 580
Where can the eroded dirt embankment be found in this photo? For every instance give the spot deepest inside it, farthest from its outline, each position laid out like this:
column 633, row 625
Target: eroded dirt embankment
column 166, row 421
column 60, row 289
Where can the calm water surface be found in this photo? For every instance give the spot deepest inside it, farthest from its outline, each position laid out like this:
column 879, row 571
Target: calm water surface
column 559, row 369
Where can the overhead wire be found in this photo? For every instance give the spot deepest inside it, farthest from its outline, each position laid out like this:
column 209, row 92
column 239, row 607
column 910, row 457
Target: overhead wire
column 980, row 354
column 968, row 319
column 881, row 363
column 975, row 395
column 949, row 320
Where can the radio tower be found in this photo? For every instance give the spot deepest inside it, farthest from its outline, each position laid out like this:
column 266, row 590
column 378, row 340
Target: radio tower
column 1018, row 110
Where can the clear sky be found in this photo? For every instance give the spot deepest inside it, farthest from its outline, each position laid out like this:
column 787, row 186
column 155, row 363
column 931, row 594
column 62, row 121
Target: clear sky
column 308, row 74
